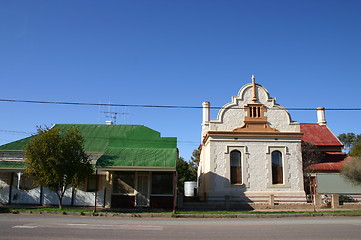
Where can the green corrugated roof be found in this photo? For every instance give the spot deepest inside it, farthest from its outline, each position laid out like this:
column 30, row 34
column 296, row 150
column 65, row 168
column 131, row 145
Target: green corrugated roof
column 122, row 145
column 18, row 145
column 11, row 165
column 138, row 157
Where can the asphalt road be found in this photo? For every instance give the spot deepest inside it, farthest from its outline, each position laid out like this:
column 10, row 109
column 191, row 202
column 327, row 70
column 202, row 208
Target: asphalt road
column 23, row 226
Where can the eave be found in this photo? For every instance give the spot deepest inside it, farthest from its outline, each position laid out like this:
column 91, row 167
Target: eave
column 233, row 134
column 138, row 169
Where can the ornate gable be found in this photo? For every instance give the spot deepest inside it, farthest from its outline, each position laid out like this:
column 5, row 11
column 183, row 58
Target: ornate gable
column 252, row 110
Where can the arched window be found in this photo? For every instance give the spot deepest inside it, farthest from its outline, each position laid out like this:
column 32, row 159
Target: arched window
column 236, row 167
column 277, row 168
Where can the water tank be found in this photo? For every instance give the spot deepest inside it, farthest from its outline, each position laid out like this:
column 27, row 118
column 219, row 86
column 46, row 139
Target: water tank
column 189, row 188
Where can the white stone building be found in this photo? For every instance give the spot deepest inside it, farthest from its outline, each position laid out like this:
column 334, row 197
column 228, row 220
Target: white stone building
column 252, row 152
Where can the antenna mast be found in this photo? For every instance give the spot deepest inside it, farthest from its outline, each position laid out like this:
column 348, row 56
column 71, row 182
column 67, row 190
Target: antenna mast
column 113, row 115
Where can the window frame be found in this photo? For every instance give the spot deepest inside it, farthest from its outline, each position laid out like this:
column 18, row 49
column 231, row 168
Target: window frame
column 238, row 168
column 92, row 183
column 171, row 174
column 285, row 154
column 244, row 164
column 114, row 175
column 277, row 167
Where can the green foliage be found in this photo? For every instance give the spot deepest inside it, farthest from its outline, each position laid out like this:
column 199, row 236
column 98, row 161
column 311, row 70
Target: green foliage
column 351, row 171
column 349, row 140
column 196, row 156
column 185, row 172
column 57, row 160
column 356, row 150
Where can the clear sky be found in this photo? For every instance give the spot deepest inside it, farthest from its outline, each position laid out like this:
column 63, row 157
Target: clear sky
column 306, row 53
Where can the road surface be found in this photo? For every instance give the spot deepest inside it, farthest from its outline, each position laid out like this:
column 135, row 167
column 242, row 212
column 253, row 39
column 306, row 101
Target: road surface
column 27, row 226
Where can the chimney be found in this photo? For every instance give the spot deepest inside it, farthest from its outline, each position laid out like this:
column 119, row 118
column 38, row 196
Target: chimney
column 206, row 118
column 321, row 116
column 206, row 113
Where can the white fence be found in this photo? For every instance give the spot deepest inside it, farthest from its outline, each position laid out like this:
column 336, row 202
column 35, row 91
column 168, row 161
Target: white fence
column 44, row 196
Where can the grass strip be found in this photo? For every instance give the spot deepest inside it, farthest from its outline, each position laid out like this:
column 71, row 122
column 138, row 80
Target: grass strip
column 265, row 212
column 80, row 210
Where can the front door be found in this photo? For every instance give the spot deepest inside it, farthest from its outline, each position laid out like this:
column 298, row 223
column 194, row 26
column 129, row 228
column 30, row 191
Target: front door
column 142, row 197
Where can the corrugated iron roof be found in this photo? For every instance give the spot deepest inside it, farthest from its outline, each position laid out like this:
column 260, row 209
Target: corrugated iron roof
column 319, row 135
column 12, row 165
column 99, row 137
column 120, row 145
column 138, row 157
column 329, row 166
column 18, row 145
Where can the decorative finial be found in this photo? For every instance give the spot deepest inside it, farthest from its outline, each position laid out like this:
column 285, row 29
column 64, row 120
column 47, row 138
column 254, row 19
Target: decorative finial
column 254, row 98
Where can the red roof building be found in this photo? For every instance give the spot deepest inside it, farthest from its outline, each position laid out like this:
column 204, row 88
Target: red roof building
column 327, row 166
column 319, row 135
column 325, row 141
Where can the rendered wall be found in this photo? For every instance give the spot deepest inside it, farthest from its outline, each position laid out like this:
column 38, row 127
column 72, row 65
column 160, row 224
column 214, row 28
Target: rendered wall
column 214, row 175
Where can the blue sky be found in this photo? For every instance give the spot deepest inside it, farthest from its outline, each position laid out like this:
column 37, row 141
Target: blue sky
column 306, row 53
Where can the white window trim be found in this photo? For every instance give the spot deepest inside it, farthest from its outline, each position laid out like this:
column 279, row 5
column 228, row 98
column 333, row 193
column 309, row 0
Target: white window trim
column 244, row 164
column 285, row 153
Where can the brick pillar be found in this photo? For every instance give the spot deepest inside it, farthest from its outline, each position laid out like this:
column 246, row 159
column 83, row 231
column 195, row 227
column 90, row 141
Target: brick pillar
column 271, row 200
column 317, row 200
column 108, row 190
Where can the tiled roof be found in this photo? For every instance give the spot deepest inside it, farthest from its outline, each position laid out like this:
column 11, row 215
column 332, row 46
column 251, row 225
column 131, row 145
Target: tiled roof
column 319, row 135
column 119, row 145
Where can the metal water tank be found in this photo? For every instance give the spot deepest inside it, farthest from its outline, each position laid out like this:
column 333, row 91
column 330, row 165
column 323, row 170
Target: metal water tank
column 189, row 188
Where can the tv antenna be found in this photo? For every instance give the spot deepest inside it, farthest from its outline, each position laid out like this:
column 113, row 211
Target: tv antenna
column 113, row 115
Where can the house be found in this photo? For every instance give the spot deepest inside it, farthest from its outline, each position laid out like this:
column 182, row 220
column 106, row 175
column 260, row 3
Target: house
column 322, row 177
column 326, row 143
column 322, row 154
column 252, row 152
column 135, row 167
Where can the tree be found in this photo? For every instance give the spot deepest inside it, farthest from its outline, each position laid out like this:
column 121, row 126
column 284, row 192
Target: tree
column 57, row 160
column 196, row 156
column 351, row 170
column 185, row 172
column 349, row 140
column 310, row 155
column 356, row 150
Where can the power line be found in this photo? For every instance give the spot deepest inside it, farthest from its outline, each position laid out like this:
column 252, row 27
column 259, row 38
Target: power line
column 98, row 104
column 160, row 106
column 15, row 132
column 180, row 142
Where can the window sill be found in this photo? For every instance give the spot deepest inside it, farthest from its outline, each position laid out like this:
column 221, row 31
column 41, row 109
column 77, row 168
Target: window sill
column 284, row 185
column 238, row 184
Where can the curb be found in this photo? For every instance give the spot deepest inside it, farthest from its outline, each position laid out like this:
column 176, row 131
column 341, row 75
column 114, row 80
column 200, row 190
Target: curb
column 268, row 215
